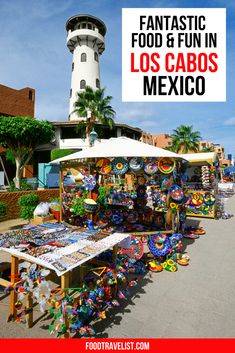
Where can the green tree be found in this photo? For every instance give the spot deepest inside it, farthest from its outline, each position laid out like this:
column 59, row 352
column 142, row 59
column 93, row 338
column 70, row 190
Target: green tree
column 184, row 139
column 22, row 135
column 207, row 149
column 94, row 107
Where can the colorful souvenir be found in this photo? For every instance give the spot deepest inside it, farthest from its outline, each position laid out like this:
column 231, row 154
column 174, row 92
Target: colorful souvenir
column 132, row 216
column 154, row 266
column 166, row 165
column 89, row 182
column 170, row 265
column 166, row 183
column 150, row 165
column 141, row 191
column 136, row 164
column 104, row 166
column 90, row 205
column 141, row 180
column 197, row 199
column 209, row 199
column 119, row 165
column 176, row 193
column 159, row 244
column 117, row 217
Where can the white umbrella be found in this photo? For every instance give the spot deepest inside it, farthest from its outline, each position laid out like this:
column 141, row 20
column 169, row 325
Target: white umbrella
column 119, row 147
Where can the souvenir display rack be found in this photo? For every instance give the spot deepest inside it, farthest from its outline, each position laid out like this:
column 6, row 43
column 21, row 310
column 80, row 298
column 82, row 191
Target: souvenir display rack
column 201, row 181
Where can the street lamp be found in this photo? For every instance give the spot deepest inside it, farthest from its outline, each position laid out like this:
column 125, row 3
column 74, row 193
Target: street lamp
column 93, row 137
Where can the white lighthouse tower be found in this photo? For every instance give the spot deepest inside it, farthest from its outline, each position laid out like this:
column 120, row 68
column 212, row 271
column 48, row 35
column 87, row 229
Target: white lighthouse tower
column 85, row 41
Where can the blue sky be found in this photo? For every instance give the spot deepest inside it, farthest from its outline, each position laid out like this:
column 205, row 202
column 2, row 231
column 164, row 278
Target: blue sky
column 34, row 53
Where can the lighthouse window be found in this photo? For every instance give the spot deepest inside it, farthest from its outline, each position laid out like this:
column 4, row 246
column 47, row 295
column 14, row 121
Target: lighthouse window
column 96, row 56
column 83, row 57
column 89, row 26
column 72, row 66
column 82, row 84
column 97, row 83
column 70, row 93
column 83, row 25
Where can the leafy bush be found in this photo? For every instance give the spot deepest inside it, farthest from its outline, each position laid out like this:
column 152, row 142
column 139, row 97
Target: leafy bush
column 3, row 209
column 24, row 186
column 27, row 205
column 77, row 206
column 58, row 153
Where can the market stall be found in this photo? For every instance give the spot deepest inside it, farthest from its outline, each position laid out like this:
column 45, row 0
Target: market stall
column 119, row 195
column 201, row 181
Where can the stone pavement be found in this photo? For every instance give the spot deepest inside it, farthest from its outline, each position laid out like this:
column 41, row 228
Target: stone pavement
column 196, row 301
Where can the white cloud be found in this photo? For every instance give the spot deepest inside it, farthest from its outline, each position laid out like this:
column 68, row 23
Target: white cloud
column 230, row 122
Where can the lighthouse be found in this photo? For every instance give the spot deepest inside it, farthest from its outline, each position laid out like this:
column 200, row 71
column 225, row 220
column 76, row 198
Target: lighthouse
column 86, row 41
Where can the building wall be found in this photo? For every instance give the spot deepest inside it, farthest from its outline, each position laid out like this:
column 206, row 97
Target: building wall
column 11, row 199
column 15, row 102
column 161, row 140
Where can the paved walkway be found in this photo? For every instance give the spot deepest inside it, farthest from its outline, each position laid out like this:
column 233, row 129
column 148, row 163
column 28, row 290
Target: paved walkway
column 196, row 301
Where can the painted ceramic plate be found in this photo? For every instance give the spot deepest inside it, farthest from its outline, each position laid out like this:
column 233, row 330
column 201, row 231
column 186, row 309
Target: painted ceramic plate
column 141, row 180
column 117, row 217
column 159, row 245
column 104, row 166
column 89, row 182
column 150, row 165
column 166, row 183
column 119, row 165
column 176, row 193
column 136, row 164
column 166, row 165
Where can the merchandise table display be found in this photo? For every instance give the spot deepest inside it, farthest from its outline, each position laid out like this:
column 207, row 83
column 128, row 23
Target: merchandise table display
column 201, row 181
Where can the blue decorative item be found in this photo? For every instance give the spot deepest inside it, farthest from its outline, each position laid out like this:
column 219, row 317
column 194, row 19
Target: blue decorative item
column 159, row 244
column 117, row 217
column 119, row 165
column 176, row 193
column 151, row 165
column 89, row 182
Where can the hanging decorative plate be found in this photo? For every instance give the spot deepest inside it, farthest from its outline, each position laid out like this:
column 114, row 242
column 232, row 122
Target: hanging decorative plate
column 89, row 182
column 132, row 216
column 136, row 164
column 166, row 183
column 141, row 180
column 150, row 165
column 176, row 193
column 119, row 165
column 159, row 244
column 197, row 199
column 141, row 191
column 117, row 217
column 209, row 199
column 104, row 166
column 166, row 165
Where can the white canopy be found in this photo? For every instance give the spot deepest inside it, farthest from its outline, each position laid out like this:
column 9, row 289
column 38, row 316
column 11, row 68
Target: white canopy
column 119, row 147
column 209, row 157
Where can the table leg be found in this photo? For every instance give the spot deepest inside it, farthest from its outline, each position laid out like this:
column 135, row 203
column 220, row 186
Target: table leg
column 13, row 295
column 29, row 306
column 65, row 284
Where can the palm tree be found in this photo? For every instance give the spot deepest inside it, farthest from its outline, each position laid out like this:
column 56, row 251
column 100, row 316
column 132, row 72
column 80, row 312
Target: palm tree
column 94, row 107
column 207, row 149
column 184, row 139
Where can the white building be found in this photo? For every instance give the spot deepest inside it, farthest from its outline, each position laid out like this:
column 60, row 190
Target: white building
column 85, row 40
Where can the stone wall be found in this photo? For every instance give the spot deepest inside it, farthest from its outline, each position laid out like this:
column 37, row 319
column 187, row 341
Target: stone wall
column 11, row 199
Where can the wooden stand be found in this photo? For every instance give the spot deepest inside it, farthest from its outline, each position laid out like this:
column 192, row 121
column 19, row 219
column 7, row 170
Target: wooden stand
column 13, row 295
